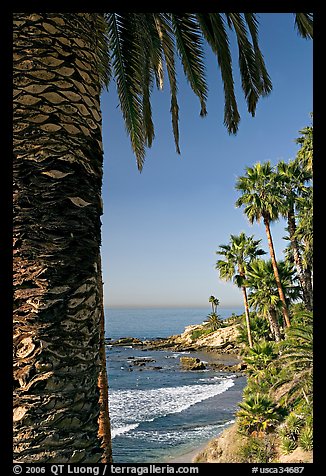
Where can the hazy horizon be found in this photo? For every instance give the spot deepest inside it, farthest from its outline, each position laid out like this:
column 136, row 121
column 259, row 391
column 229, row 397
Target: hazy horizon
column 171, row 306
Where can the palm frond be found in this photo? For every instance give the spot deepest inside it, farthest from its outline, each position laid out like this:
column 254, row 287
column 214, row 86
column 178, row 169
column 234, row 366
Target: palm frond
column 250, row 77
column 304, row 24
column 265, row 80
column 190, row 47
column 212, row 26
column 127, row 63
column 102, row 54
column 164, row 28
column 151, row 54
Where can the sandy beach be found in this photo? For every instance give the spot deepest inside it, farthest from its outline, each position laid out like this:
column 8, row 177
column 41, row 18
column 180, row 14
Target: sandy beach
column 187, row 457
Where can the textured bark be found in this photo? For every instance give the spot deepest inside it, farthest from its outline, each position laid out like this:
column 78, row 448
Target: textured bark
column 104, row 430
column 245, row 299
column 305, row 282
column 276, row 273
column 309, row 288
column 272, row 318
column 57, row 206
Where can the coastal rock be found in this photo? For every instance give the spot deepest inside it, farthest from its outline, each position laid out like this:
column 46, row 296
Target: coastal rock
column 223, row 449
column 223, row 340
column 140, row 361
column 127, row 341
column 297, row 456
column 192, row 363
column 240, row 367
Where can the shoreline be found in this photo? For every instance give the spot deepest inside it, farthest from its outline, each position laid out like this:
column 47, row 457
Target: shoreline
column 187, row 457
column 215, row 358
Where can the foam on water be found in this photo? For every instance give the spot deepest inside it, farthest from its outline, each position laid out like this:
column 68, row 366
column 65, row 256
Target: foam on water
column 128, row 408
column 123, row 429
column 173, row 437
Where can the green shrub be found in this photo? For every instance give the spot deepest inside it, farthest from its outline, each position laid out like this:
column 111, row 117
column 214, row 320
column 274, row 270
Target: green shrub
column 259, row 329
column 256, row 450
column 260, row 355
column 258, row 413
column 200, row 333
column 296, row 431
column 305, row 439
column 288, row 445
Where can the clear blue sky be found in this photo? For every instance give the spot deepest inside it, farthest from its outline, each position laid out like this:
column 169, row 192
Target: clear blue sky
column 161, row 228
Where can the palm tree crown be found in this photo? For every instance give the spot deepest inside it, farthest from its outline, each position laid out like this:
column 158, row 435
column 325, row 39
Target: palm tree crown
column 238, row 253
column 258, row 193
column 137, row 48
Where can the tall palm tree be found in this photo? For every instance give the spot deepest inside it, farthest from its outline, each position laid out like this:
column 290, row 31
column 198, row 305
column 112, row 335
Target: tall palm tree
column 293, row 179
column 304, row 236
column 238, row 254
column 264, row 295
column 61, row 63
column 306, row 152
column 261, row 202
column 214, row 302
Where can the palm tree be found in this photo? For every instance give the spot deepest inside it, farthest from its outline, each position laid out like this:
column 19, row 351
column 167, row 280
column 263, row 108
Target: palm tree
column 61, row 63
column 258, row 413
column 238, row 254
column 305, row 154
column 304, row 236
column 261, row 202
column 214, row 302
column 260, row 356
column 214, row 321
column 264, row 295
column 292, row 186
column 297, row 355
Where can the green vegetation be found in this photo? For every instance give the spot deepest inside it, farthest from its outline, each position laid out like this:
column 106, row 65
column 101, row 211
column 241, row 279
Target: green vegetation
column 237, row 256
column 201, row 332
column 277, row 333
column 214, row 321
column 257, row 450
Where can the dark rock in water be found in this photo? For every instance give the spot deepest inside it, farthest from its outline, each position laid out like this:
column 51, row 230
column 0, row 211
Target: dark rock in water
column 127, row 341
column 140, row 361
column 192, row 363
column 228, row 368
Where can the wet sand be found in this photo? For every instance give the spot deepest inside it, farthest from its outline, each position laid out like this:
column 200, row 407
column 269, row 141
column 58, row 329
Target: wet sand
column 187, row 457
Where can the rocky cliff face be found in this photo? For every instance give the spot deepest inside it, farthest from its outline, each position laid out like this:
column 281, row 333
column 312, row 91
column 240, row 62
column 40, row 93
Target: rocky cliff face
column 223, row 449
column 221, row 340
column 224, row 338
column 226, row 449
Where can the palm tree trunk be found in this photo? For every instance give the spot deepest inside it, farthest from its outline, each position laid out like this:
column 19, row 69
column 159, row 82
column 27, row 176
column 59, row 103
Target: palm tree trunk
column 58, row 305
column 104, row 430
column 272, row 317
column 307, row 296
column 276, row 273
column 309, row 289
column 245, row 300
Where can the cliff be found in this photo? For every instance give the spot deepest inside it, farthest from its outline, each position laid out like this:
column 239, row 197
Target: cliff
column 226, row 448
column 195, row 338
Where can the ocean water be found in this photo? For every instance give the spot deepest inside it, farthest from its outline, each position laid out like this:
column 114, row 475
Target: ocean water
column 157, row 410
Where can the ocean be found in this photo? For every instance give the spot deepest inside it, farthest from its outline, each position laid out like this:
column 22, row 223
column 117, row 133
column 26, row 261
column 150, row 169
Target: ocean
column 157, row 410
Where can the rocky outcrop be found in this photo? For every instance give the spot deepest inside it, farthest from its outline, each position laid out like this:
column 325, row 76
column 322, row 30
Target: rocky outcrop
column 192, row 363
column 223, row 449
column 223, row 340
column 125, row 341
